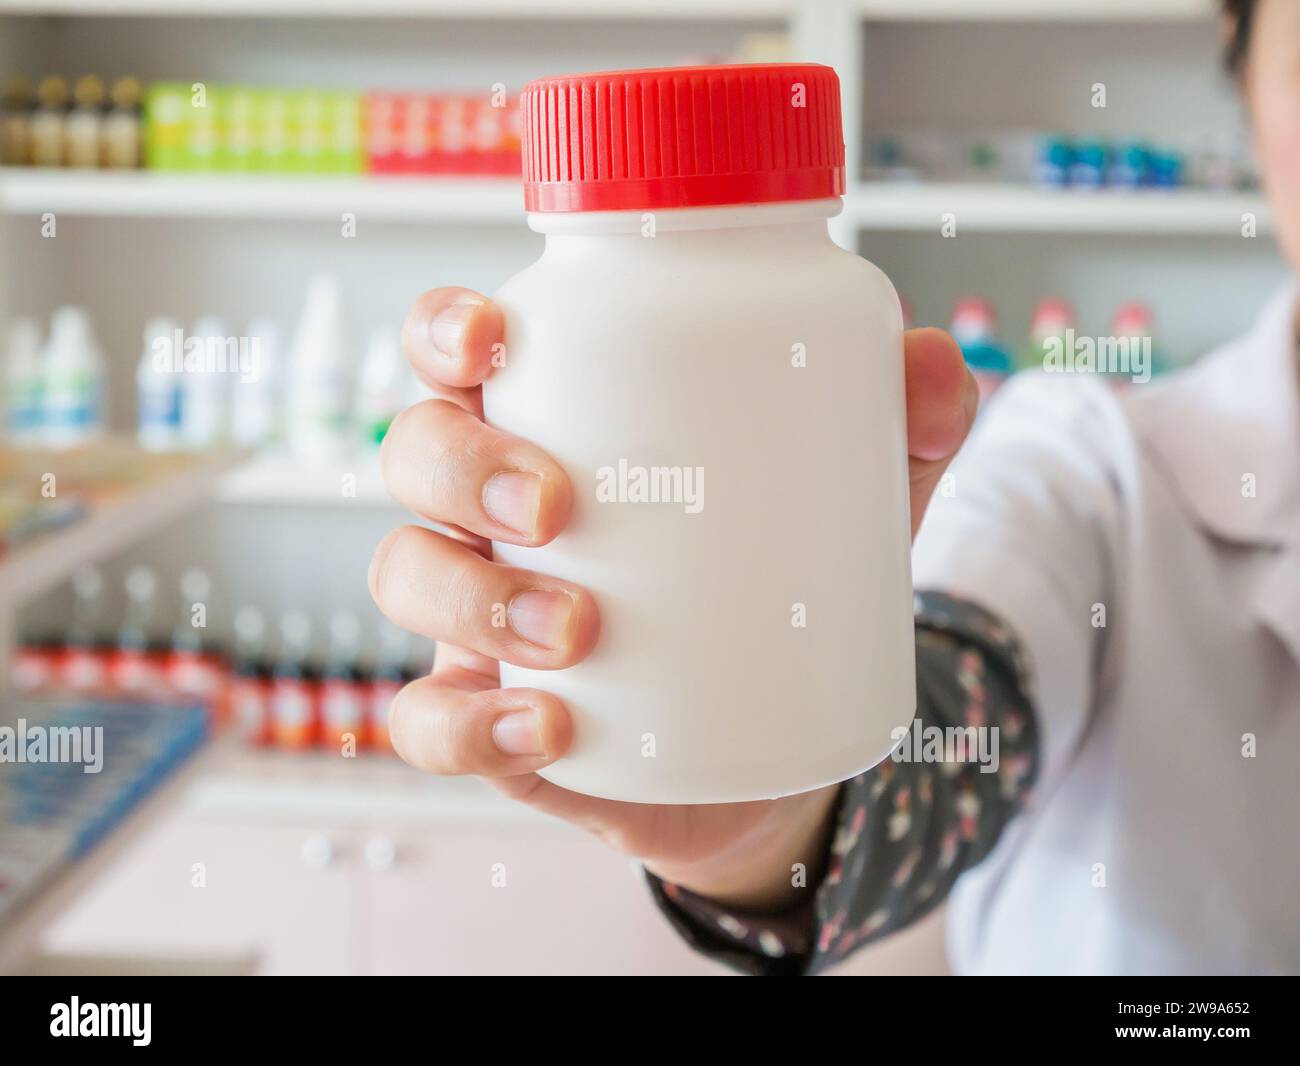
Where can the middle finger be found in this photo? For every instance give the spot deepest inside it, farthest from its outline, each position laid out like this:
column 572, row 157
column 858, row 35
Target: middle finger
column 442, row 589
column 446, row 465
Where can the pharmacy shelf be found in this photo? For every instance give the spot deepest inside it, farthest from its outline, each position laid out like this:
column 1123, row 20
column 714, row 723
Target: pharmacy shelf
column 603, row 9
column 145, row 194
column 1026, row 209
column 1038, row 10
column 279, row 480
column 124, row 519
column 496, row 201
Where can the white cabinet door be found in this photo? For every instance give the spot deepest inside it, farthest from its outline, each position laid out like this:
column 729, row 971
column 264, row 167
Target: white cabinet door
column 497, row 900
column 289, row 895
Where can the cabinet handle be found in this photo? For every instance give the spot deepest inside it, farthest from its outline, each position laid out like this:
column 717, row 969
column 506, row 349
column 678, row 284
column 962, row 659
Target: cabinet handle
column 318, row 851
column 381, row 853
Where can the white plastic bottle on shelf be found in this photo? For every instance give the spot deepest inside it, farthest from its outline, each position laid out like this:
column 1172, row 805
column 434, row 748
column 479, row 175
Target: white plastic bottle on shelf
column 254, row 401
column 158, row 387
column 380, row 386
column 319, row 375
column 73, row 370
column 723, row 385
column 205, row 385
column 24, row 384
column 133, row 668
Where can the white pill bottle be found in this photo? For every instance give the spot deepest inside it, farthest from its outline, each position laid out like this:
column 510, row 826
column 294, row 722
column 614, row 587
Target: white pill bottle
column 724, row 386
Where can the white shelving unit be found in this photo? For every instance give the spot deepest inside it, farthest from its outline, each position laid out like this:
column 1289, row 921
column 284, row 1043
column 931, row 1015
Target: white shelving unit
column 982, row 10
column 280, row 480
column 141, row 194
column 1038, row 10
column 31, row 570
column 1022, row 209
column 487, row 201
column 827, row 30
column 140, row 244
column 408, row 9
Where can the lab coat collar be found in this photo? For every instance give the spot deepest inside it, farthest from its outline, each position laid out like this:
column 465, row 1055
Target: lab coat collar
column 1230, row 426
column 1227, row 431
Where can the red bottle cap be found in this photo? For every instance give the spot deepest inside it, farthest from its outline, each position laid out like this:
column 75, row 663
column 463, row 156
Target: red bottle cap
column 633, row 140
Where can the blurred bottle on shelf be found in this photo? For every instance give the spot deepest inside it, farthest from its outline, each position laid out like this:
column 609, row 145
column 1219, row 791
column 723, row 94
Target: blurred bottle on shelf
column 294, row 688
column 1051, row 319
column 83, row 126
column 24, row 384
column 121, row 141
column 1089, row 163
column 74, row 375
column 194, row 669
column 380, row 385
column 1130, row 166
column 319, row 375
column 85, row 661
column 1167, row 170
column 1135, row 323
column 158, row 387
column 17, row 102
column 253, row 405
column 440, row 133
column 343, row 693
column 205, row 385
column 975, row 328
column 36, row 665
column 386, row 681
column 134, row 669
column 46, row 128
column 250, row 693
column 1055, row 156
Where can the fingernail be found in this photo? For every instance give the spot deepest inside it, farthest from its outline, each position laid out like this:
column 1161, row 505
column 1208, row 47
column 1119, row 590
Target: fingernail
column 541, row 617
column 517, row 733
column 448, row 326
column 512, row 498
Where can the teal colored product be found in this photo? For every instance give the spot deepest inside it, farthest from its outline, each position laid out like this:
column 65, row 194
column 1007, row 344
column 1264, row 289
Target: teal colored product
column 1055, row 155
column 989, row 358
column 1167, row 170
column 1130, row 166
column 990, row 365
column 1089, row 165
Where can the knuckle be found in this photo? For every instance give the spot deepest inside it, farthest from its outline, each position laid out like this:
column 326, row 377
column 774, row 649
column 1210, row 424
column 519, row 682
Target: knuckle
column 467, row 603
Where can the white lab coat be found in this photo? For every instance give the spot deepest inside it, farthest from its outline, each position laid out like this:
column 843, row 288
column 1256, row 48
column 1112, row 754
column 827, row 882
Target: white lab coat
column 1164, row 832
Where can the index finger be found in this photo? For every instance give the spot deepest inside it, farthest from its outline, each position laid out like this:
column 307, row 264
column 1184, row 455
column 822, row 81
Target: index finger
column 451, row 335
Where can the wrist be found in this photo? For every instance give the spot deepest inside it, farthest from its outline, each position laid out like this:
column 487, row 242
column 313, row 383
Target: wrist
column 772, row 866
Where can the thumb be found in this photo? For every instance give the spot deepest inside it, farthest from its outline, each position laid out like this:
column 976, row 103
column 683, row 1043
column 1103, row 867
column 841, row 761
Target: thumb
column 942, row 400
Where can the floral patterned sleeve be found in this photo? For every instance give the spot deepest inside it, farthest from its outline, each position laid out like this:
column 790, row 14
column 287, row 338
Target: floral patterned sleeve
column 907, row 828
